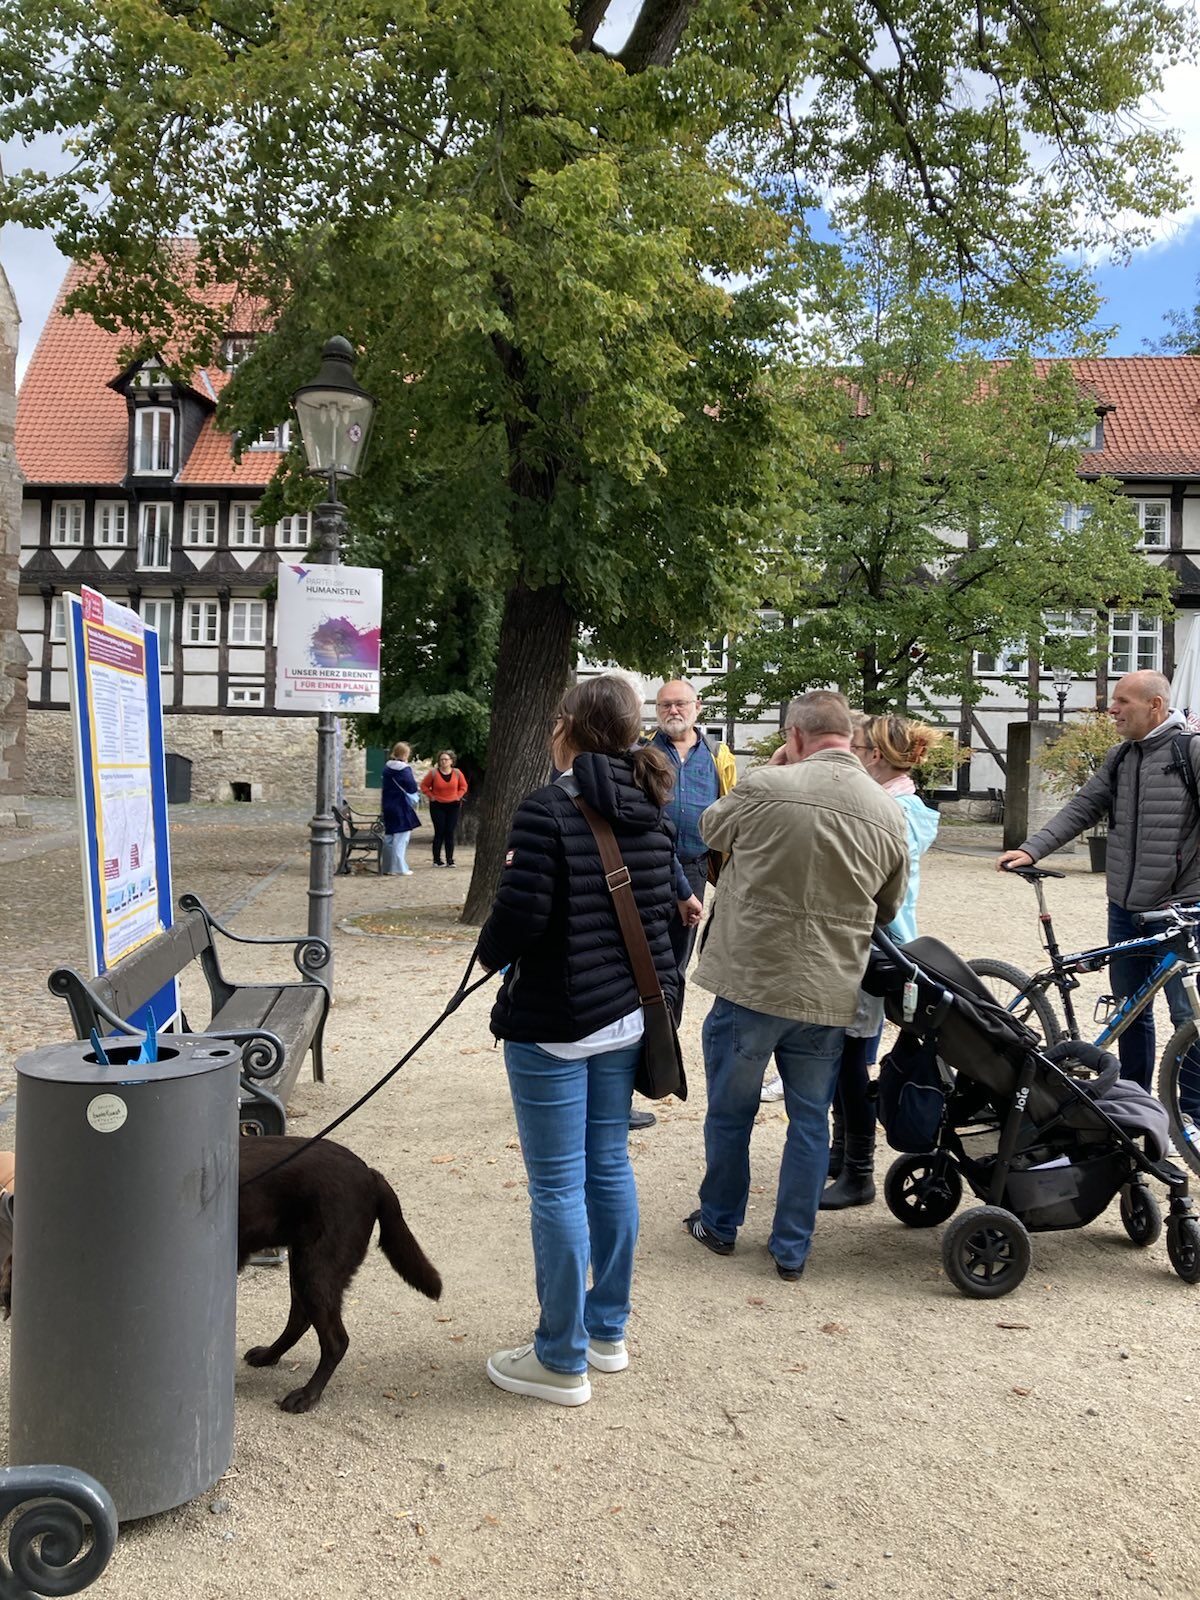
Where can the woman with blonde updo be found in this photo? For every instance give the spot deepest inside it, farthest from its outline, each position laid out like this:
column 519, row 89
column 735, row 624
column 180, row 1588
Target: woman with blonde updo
column 889, row 747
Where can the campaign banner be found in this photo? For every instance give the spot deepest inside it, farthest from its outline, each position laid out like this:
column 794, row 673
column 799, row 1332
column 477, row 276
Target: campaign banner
column 116, row 713
column 327, row 656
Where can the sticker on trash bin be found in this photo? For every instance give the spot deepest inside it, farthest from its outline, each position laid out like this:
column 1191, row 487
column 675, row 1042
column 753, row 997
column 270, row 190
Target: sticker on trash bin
column 107, row 1112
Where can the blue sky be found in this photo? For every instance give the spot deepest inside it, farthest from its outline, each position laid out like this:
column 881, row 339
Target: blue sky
column 1159, row 279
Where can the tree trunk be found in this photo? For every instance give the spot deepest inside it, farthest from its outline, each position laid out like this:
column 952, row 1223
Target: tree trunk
column 533, row 663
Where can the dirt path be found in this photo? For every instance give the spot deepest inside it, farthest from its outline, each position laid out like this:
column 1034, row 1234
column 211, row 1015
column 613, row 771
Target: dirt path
column 865, row 1433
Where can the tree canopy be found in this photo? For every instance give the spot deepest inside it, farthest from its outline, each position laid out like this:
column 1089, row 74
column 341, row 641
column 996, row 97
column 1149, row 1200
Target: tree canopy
column 946, row 516
column 570, row 268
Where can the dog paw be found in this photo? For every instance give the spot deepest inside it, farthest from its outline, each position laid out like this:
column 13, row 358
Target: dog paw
column 261, row 1356
column 298, row 1400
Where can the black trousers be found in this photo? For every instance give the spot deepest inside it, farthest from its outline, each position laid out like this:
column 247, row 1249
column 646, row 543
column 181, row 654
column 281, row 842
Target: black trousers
column 683, row 939
column 444, row 816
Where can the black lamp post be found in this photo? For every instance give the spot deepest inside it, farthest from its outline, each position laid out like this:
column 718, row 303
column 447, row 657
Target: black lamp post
column 1063, row 679
column 335, row 417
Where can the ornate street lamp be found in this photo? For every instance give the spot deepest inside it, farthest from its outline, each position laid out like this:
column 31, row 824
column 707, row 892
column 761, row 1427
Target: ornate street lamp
column 334, row 415
column 1063, row 679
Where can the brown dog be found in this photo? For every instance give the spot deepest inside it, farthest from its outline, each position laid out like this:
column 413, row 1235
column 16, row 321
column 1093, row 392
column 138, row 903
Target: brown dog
column 322, row 1207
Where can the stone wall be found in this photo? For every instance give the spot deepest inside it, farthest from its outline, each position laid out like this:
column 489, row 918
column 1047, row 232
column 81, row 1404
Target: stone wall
column 273, row 758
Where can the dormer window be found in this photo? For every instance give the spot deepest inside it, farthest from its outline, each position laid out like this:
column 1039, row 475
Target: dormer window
column 153, row 439
column 150, row 376
column 279, row 438
column 235, row 349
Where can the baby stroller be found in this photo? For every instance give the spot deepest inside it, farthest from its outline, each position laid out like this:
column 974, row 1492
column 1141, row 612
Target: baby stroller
column 1045, row 1139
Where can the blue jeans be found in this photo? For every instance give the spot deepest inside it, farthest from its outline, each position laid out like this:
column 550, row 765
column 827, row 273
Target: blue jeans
column 738, row 1043
column 1136, row 1045
column 573, row 1119
column 395, row 853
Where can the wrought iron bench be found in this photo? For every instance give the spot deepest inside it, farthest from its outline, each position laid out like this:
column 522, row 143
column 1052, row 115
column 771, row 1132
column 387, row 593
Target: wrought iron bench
column 276, row 1024
column 357, row 836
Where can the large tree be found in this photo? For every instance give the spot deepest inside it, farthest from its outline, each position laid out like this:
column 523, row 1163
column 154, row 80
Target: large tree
column 535, row 240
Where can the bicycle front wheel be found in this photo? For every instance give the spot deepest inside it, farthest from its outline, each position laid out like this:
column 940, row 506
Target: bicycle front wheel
column 1179, row 1091
column 1015, row 991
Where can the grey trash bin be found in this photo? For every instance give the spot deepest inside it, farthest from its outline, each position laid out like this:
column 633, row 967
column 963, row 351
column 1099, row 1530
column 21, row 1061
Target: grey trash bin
column 125, row 1267
column 179, row 779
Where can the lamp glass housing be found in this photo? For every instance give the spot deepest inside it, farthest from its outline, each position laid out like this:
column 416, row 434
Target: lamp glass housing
column 334, row 415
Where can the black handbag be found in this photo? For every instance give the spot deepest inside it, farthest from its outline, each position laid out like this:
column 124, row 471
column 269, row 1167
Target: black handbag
column 660, row 1069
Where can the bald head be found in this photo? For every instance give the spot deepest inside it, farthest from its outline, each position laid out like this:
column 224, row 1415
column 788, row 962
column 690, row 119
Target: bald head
column 1140, row 703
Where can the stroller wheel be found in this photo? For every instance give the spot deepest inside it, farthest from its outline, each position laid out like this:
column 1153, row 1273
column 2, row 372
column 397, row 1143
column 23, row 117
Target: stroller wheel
column 986, row 1252
column 1141, row 1215
column 1183, row 1247
column 922, row 1190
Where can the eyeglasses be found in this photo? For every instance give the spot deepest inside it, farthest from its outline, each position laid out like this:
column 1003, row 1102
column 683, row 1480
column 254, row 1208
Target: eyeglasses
column 676, row 705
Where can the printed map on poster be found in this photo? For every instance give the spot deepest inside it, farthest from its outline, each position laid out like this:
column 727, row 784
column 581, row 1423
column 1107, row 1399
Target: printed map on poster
column 329, row 624
column 114, row 650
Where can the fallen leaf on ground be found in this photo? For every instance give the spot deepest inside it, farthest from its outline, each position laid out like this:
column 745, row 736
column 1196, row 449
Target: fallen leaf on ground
column 1024, row 1325
column 834, row 1327
column 440, row 1161
column 1022, row 1392
column 434, row 1561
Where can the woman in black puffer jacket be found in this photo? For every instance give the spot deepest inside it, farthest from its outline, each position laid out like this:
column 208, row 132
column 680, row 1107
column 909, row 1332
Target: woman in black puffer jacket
column 571, row 1020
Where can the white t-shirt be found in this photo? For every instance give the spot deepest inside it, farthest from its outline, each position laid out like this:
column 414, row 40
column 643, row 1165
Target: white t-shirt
column 618, row 1035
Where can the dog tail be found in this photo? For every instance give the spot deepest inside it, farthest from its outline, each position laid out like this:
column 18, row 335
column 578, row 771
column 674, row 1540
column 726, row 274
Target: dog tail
column 398, row 1245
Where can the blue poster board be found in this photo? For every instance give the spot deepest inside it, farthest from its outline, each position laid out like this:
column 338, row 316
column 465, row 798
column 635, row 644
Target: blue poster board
column 121, row 787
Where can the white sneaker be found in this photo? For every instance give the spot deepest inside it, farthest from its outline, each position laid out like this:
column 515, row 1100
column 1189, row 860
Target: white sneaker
column 772, row 1090
column 520, row 1372
column 607, row 1355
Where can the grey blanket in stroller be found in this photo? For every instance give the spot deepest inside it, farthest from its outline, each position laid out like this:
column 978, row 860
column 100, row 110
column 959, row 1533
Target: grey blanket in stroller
column 1134, row 1110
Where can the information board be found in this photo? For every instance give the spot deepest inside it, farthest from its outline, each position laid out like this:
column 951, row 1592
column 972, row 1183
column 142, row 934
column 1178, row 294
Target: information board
column 328, row 626
column 120, row 785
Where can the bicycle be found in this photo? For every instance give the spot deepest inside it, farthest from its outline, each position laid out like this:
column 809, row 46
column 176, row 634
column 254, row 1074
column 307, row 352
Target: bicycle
column 1027, row 997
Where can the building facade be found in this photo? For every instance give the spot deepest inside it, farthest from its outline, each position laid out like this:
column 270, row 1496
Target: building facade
column 1147, row 436
column 131, row 489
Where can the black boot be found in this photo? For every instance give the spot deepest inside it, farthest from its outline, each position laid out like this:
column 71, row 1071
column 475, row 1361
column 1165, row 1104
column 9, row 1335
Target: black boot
column 837, row 1145
column 856, row 1185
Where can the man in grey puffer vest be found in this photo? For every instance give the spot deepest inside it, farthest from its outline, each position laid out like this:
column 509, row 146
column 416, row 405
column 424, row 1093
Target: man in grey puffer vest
column 1153, row 841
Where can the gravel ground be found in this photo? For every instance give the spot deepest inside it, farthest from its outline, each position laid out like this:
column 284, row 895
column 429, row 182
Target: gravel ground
column 866, row 1432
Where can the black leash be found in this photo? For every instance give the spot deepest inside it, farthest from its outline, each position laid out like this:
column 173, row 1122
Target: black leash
column 455, row 1000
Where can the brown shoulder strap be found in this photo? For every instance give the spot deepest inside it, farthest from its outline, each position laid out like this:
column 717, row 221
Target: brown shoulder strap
column 616, row 875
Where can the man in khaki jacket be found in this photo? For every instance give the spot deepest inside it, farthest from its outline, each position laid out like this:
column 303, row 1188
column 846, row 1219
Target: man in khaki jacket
column 817, row 856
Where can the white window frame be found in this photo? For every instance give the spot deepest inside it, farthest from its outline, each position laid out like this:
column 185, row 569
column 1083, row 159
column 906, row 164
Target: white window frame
column 111, row 527
column 245, row 530
column 1012, row 661
column 276, row 438
column 248, row 622
column 288, row 534
column 235, row 350
column 1149, row 510
column 1134, row 643
column 161, row 549
column 201, row 523
column 58, row 619
column 1074, row 517
column 161, row 451
column 247, row 694
column 201, row 622
column 153, row 613
column 710, row 655
column 66, row 524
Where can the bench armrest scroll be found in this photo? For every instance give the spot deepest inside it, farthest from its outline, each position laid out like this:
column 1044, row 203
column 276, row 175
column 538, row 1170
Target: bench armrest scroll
column 45, row 1542
column 311, row 955
column 87, row 1010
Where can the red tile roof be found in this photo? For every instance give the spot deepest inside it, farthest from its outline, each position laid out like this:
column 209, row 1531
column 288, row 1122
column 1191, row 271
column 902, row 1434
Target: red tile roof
column 1153, row 429
column 73, row 429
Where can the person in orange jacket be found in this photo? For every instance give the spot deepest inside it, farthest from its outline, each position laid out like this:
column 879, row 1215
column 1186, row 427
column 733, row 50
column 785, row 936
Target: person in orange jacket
column 444, row 787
